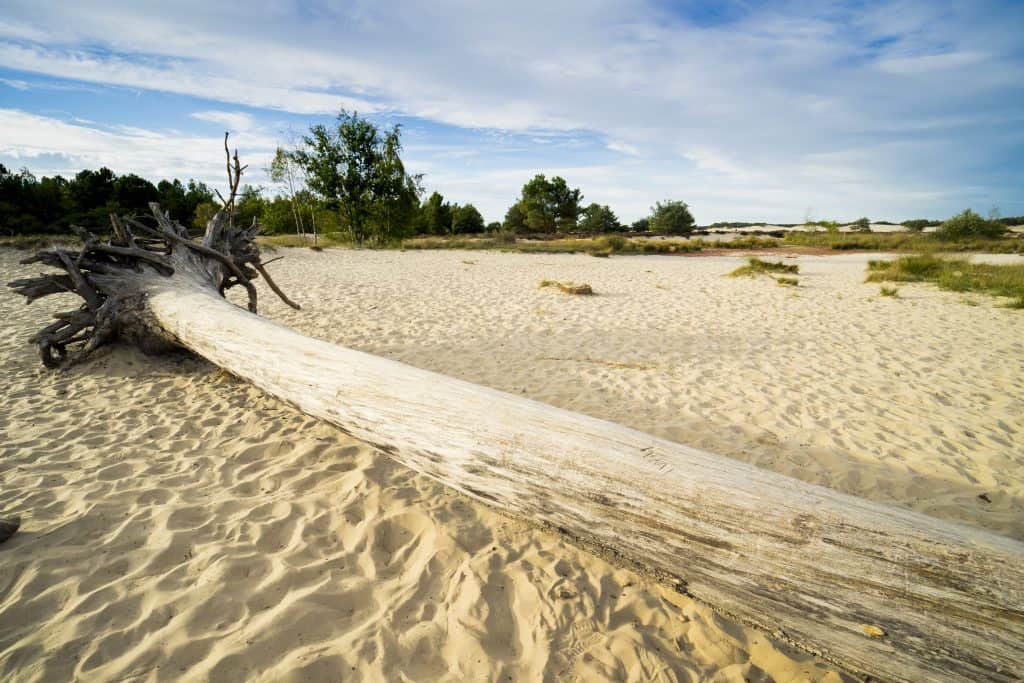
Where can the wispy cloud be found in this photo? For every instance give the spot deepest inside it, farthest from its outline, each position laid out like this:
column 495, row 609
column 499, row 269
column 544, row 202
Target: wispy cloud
column 55, row 146
column 848, row 106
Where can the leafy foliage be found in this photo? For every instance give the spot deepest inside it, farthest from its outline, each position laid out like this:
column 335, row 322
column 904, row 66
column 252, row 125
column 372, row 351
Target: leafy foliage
column 861, row 225
column 969, row 224
column 49, row 205
column 671, row 217
column 545, row 206
column 919, row 224
column 597, row 219
column 357, row 169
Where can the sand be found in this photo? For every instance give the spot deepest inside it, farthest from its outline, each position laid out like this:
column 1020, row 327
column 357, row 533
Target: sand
column 180, row 525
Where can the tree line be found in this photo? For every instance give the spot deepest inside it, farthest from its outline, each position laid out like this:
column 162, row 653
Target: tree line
column 346, row 178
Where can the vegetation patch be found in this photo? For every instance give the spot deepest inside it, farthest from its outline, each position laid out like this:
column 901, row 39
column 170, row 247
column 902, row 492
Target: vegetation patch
column 955, row 275
column 787, row 281
column 904, row 241
column 756, row 266
column 581, row 289
column 892, row 292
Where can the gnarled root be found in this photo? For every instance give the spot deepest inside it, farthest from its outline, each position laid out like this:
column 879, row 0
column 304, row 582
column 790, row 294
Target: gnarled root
column 112, row 277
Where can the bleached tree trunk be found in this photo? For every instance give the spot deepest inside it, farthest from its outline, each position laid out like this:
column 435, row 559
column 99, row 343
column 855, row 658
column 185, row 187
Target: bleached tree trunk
column 878, row 590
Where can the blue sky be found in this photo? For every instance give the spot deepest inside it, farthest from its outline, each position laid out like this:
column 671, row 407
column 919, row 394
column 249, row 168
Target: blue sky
column 746, row 110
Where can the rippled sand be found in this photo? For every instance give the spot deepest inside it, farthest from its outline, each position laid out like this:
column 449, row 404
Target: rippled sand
column 179, row 524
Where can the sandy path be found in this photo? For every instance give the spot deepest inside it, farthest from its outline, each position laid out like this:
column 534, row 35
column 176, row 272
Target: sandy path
column 180, row 524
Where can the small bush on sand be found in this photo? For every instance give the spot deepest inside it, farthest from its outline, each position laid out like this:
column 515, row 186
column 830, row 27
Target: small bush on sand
column 970, row 224
column 787, row 281
column 888, row 291
column 582, row 289
column 756, row 266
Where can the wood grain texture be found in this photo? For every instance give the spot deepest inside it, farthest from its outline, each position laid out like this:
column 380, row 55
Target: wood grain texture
column 878, row 590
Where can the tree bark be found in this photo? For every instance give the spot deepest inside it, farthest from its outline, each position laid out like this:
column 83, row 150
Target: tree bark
column 878, row 590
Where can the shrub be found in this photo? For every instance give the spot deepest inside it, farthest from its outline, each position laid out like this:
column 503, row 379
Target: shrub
column 787, row 281
column 919, row 224
column 671, row 217
column 888, row 291
column 970, row 224
column 862, row 225
column 756, row 266
column 614, row 242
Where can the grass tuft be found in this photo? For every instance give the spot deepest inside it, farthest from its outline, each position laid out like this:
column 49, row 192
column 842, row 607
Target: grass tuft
column 892, row 292
column 756, row 266
column 582, row 289
column 955, row 275
column 787, row 281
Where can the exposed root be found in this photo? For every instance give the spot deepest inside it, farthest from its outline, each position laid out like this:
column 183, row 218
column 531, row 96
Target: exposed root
column 112, row 276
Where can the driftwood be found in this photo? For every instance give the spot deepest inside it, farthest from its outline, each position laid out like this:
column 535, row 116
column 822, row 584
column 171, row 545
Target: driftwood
column 878, row 590
column 8, row 527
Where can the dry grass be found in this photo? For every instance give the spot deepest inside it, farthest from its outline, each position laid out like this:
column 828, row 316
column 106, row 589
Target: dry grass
column 580, row 289
column 787, row 281
column 957, row 275
column 756, row 266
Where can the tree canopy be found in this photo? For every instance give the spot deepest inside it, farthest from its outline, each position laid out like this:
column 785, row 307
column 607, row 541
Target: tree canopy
column 597, row 219
column 545, row 206
column 30, row 205
column 357, row 169
column 671, row 217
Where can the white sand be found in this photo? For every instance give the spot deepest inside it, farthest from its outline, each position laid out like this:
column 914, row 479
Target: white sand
column 177, row 523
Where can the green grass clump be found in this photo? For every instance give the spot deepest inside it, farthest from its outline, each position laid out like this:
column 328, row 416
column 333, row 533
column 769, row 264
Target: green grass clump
column 888, row 291
column 756, row 266
column 956, row 275
column 787, row 281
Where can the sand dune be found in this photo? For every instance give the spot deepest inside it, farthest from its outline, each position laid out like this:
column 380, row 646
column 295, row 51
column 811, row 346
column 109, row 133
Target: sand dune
column 179, row 524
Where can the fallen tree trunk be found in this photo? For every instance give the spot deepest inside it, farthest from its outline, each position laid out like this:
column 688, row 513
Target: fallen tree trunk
column 877, row 590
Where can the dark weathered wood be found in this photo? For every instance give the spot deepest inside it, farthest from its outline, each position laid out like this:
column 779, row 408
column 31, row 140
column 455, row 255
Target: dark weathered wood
column 8, row 527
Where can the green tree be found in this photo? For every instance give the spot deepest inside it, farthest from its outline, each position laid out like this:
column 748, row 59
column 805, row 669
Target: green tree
column 359, row 171
column 395, row 193
column 597, row 219
column 641, row 225
column 278, row 217
column 92, row 193
column 671, row 217
column 466, row 220
column 515, row 219
column 205, row 211
column 549, row 205
column 249, row 206
column 179, row 200
column 435, row 215
column 133, row 194
column 284, row 171
column 862, row 225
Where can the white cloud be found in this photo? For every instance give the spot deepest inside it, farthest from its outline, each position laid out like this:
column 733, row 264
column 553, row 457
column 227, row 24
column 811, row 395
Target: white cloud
column 234, row 121
column 789, row 105
column 15, row 83
column 50, row 146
